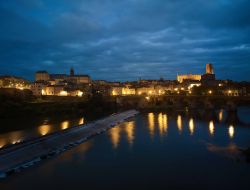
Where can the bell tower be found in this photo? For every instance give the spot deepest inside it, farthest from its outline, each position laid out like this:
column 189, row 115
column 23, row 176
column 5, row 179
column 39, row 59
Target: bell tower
column 209, row 69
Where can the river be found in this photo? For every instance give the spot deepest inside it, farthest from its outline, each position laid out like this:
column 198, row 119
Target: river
column 150, row 151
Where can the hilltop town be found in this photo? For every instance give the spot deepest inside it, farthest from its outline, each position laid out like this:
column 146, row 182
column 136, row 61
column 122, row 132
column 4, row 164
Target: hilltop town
column 78, row 85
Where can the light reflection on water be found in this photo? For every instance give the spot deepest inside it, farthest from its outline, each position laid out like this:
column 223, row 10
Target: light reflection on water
column 221, row 114
column 175, row 157
column 211, row 128
column 81, row 121
column 115, row 136
column 46, row 128
column 151, row 124
column 179, row 123
column 162, row 123
column 64, row 125
column 191, row 126
column 2, row 143
column 154, row 119
column 127, row 128
column 130, row 130
column 231, row 131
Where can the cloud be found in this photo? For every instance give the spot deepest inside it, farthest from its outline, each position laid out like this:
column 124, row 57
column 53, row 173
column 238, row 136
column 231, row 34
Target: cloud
column 125, row 40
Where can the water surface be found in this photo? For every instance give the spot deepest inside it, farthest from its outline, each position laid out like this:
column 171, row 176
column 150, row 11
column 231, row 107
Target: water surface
column 151, row 151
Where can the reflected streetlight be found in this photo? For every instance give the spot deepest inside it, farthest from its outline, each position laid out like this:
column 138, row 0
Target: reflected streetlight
column 211, row 128
column 179, row 123
column 231, row 131
column 16, row 137
column 81, row 121
column 44, row 129
column 115, row 136
column 160, row 124
column 191, row 126
column 151, row 124
column 165, row 122
column 221, row 115
column 129, row 129
column 2, row 143
column 64, row 125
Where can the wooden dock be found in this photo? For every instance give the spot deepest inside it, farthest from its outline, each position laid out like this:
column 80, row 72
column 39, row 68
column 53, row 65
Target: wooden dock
column 20, row 156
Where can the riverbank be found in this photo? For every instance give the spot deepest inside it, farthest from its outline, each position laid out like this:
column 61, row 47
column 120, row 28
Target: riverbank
column 47, row 106
column 20, row 103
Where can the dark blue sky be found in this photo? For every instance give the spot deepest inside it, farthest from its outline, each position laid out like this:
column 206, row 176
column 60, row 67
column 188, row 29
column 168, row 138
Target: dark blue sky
column 125, row 39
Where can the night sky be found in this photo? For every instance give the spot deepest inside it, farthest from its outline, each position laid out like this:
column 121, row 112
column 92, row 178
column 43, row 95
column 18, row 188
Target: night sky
column 125, row 39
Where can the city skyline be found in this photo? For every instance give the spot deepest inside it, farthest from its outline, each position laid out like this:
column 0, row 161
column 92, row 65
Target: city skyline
column 147, row 39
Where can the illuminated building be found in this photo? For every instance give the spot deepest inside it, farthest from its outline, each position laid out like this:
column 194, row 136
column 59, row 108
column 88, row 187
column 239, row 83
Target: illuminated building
column 58, row 78
column 37, row 88
column 146, row 91
column 80, row 79
column 191, row 85
column 231, row 92
column 122, row 91
column 209, row 68
column 59, row 90
column 208, row 76
column 56, row 84
column 152, row 90
column 54, row 90
column 181, row 78
column 42, row 76
column 14, row 82
column 78, row 93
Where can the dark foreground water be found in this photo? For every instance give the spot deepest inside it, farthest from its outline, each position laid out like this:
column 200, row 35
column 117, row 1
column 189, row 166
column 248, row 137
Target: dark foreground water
column 151, row 151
